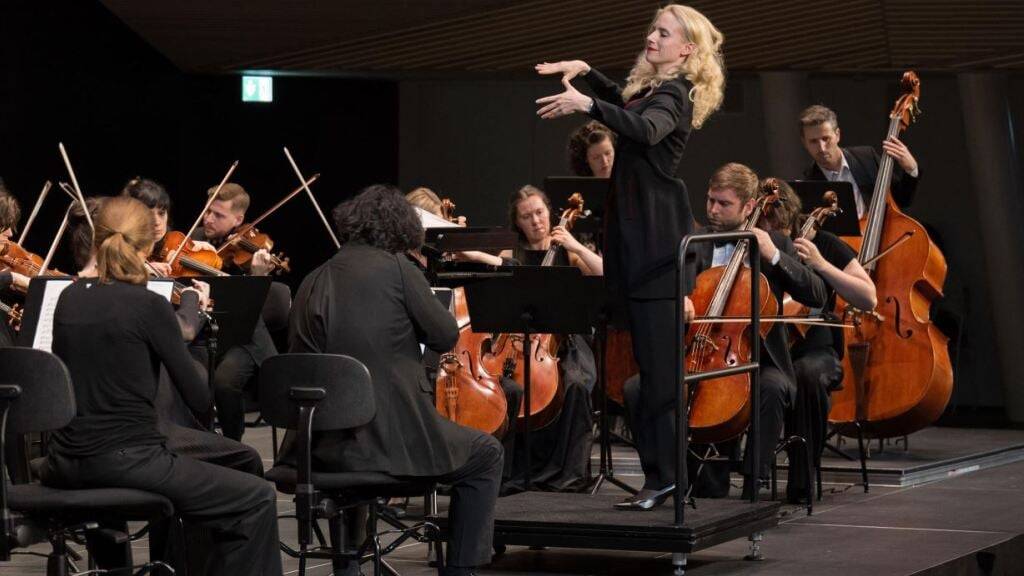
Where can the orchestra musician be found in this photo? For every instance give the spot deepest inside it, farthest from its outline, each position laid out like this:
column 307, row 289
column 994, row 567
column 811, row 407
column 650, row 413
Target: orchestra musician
column 592, row 150
column 10, row 214
column 676, row 84
column 371, row 302
column 239, row 366
column 858, row 165
column 558, row 452
column 112, row 333
column 817, row 354
column 731, row 198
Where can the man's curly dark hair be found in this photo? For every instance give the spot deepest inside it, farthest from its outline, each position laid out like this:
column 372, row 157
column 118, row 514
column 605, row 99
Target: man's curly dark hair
column 581, row 140
column 379, row 216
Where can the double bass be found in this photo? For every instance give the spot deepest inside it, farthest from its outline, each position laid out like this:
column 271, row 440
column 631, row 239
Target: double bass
column 897, row 375
column 720, row 407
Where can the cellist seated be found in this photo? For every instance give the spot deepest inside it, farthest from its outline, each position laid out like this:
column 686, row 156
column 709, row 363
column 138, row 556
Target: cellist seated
column 731, row 198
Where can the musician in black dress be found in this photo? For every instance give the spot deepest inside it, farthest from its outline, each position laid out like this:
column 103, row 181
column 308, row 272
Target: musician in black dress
column 113, row 333
column 592, row 150
column 676, row 84
column 371, row 302
column 817, row 354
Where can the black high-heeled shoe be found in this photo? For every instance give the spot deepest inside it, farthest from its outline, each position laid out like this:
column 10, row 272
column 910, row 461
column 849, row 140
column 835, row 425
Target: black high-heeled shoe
column 647, row 499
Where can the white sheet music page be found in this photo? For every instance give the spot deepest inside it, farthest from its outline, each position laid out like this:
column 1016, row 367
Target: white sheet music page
column 44, row 329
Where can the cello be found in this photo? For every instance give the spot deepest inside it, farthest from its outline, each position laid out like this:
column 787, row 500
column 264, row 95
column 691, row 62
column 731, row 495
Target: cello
column 720, row 407
column 547, row 394
column 465, row 393
column 897, row 375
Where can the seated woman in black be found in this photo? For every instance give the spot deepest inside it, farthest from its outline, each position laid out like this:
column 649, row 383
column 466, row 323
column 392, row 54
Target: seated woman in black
column 560, row 451
column 113, row 333
column 371, row 302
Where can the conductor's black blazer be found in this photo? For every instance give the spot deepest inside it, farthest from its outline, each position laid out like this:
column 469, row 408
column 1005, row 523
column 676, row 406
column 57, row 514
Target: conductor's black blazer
column 648, row 210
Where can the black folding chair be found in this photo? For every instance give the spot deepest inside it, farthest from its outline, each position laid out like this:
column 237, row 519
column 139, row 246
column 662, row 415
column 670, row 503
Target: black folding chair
column 36, row 396
column 308, row 393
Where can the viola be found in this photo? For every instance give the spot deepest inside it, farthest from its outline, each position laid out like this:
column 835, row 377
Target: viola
column 814, row 221
column 897, row 374
column 720, row 407
column 240, row 247
column 189, row 261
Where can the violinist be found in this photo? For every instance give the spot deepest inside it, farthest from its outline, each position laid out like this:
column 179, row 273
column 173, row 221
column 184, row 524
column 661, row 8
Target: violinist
column 817, row 355
column 239, row 366
column 858, row 165
column 370, row 302
column 731, row 198
column 677, row 83
column 558, row 452
column 10, row 214
column 112, row 333
column 428, row 200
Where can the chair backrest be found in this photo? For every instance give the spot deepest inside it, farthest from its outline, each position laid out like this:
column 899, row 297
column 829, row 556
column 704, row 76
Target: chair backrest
column 47, row 399
column 349, row 400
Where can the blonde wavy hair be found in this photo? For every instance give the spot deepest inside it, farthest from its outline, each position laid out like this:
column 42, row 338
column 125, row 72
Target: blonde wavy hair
column 124, row 228
column 704, row 68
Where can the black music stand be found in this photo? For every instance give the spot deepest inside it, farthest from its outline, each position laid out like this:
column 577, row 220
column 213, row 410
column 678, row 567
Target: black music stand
column 238, row 303
column 459, row 239
column 811, row 192
column 535, row 300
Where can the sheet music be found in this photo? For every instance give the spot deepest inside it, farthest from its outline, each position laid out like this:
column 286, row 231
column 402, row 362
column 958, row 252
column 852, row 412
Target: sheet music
column 43, row 339
column 44, row 329
column 430, row 221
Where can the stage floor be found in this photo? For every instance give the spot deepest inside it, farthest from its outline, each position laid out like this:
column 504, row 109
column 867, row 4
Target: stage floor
column 969, row 523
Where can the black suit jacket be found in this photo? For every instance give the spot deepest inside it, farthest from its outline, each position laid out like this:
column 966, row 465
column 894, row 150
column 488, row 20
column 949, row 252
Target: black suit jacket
column 377, row 307
column 864, row 162
column 648, row 210
column 789, row 275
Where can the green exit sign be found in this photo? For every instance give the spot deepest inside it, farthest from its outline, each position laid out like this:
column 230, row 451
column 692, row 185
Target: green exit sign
column 257, row 89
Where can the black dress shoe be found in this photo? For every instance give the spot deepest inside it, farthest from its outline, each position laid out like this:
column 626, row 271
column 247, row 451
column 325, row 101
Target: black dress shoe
column 647, row 499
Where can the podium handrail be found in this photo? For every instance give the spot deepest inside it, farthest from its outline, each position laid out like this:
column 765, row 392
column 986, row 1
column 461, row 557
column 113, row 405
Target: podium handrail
column 752, row 367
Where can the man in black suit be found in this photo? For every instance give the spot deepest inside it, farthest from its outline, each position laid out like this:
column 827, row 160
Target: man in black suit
column 731, row 197
column 370, row 301
column 858, row 165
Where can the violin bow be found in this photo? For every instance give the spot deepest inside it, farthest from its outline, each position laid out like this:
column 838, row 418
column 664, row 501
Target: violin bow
column 56, row 240
column 78, row 190
column 312, row 197
column 245, row 229
column 202, row 212
column 35, row 212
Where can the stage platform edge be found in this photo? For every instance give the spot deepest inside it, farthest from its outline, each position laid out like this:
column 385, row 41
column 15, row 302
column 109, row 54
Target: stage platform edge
column 570, row 520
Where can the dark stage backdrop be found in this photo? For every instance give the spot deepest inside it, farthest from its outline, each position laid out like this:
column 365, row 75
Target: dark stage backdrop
column 74, row 73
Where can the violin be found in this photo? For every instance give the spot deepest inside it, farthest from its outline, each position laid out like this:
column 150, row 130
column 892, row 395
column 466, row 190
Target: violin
column 897, row 374
column 241, row 246
column 190, row 261
column 813, row 222
column 720, row 407
column 23, row 262
column 13, row 312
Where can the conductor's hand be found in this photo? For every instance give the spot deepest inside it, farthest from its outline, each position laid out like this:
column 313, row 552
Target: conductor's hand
column 765, row 244
column 569, row 69
column 568, row 102
column 562, row 237
column 261, row 263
